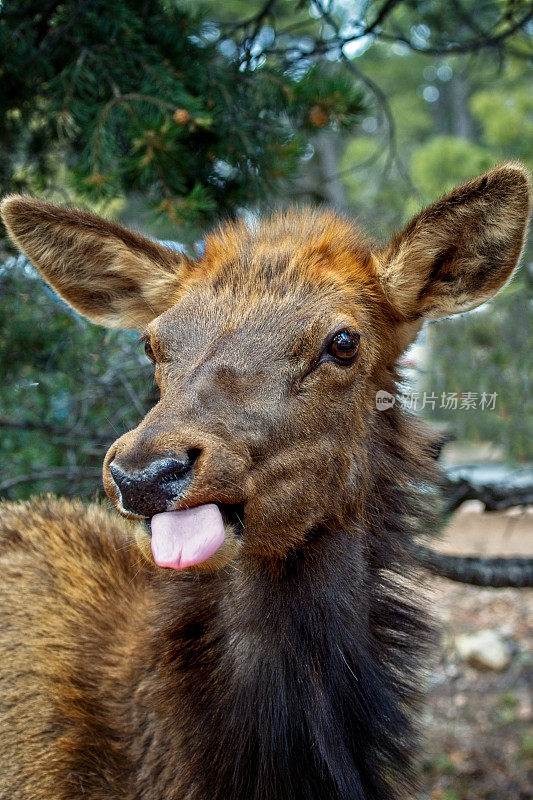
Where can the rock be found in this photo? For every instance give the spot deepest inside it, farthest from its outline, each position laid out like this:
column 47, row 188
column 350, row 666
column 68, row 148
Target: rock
column 484, row 649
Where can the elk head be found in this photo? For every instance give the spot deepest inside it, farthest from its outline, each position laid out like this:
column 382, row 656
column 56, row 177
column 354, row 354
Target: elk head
column 268, row 352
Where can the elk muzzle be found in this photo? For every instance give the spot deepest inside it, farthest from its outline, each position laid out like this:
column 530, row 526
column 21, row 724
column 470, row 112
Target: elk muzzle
column 188, row 494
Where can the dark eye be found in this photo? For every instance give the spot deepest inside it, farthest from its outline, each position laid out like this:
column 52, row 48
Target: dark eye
column 343, row 347
column 148, row 350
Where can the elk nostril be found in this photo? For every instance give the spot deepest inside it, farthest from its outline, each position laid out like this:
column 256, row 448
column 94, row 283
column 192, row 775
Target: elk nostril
column 170, row 470
column 118, row 475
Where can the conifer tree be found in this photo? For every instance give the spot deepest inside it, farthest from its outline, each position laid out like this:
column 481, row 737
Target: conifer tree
column 151, row 97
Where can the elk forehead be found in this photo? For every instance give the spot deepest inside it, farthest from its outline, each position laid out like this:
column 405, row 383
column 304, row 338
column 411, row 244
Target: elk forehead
column 269, row 295
column 210, row 324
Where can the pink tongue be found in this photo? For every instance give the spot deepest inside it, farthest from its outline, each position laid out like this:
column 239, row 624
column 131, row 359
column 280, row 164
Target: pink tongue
column 183, row 538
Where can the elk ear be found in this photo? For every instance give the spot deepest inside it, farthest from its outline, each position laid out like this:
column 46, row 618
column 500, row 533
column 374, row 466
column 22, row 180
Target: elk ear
column 109, row 274
column 458, row 252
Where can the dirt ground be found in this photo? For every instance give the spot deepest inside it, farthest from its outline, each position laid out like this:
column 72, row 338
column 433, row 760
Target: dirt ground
column 478, row 724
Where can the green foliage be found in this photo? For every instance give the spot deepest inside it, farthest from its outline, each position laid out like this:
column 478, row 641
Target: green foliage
column 445, row 161
column 152, row 97
column 328, row 97
column 442, row 163
column 68, row 389
column 506, row 116
column 526, row 744
column 486, row 351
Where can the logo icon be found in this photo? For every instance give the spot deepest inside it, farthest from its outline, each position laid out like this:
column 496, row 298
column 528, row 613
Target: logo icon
column 384, row 400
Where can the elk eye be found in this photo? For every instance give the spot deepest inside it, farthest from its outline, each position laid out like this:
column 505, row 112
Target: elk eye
column 343, row 346
column 148, row 350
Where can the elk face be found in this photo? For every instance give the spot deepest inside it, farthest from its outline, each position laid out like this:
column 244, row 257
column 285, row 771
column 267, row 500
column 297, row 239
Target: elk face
column 268, row 353
column 264, row 379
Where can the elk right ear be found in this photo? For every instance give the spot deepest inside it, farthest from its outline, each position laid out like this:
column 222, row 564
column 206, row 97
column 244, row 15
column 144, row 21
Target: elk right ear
column 109, row 274
column 461, row 250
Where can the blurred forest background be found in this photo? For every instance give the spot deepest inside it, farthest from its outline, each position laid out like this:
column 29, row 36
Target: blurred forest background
column 169, row 115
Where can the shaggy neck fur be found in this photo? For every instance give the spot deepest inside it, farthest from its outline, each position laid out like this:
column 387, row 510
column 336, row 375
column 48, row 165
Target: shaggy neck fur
column 296, row 682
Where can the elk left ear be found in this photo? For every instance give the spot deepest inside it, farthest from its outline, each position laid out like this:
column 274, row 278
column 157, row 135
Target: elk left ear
column 112, row 276
column 461, row 250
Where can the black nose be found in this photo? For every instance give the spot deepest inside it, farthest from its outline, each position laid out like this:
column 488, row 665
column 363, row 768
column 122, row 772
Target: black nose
column 153, row 488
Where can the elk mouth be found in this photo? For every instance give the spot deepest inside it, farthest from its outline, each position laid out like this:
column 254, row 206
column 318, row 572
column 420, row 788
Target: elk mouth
column 233, row 514
column 188, row 537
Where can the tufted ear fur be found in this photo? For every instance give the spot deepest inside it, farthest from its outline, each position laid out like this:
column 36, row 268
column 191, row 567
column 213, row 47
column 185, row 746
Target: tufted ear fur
column 109, row 274
column 461, row 250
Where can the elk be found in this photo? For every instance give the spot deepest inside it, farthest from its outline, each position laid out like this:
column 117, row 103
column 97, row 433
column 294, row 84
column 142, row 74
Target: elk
column 248, row 627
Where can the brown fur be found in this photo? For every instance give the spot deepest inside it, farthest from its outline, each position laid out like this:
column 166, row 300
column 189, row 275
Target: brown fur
column 285, row 666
